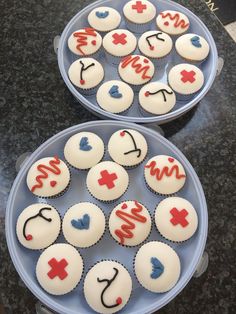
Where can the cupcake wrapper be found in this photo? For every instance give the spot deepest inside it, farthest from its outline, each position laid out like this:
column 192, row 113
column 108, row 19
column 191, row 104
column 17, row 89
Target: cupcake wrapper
column 90, row 91
column 178, row 59
column 138, row 28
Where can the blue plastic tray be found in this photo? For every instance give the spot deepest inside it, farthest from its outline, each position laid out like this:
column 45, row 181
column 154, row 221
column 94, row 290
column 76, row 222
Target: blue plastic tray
column 66, row 58
column 142, row 301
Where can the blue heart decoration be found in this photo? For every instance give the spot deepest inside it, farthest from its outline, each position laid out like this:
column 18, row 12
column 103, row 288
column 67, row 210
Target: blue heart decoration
column 114, row 92
column 196, row 41
column 84, row 144
column 81, row 224
column 157, row 268
column 102, row 15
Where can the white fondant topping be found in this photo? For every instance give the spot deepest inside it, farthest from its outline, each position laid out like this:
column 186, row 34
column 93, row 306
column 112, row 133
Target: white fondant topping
column 121, row 143
column 172, row 22
column 136, row 69
column 53, row 184
column 186, row 79
column 84, row 150
column 120, row 288
column 115, row 104
column 195, row 52
column 40, row 232
column 119, row 42
column 74, row 269
column 159, row 103
column 144, row 267
column 107, row 181
column 139, row 14
column 91, row 76
column 155, row 44
column 176, row 231
column 164, row 174
column 77, row 231
column 111, row 19
column 142, row 228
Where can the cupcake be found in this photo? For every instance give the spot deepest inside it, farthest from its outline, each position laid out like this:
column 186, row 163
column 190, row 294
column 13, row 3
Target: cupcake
column 104, row 19
column 156, row 45
column 192, row 48
column 186, row 80
column 172, row 22
column 84, row 150
column 136, row 70
column 157, row 267
column 85, row 42
column 107, row 181
column 107, row 287
column 139, row 15
column 128, row 147
column 130, row 223
column 86, row 74
column 176, row 219
column 119, row 43
column 164, row 175
column 83, row 225
column 48, row 177
column 157, row 98
column 115, row 96
column 38, row 226
column 59, row 269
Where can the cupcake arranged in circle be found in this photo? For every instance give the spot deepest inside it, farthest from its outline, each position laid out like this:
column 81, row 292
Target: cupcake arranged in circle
column 38, row 226
column 48, row 177
column 157, row 98
column 119, row 43
column 107, row 287
column 107, row 181
column 85, row 42
column 139, row 15
column 128, row 147
column 84, row 150
column 176, row 219
column 130, row 223
column 83, row 225
column 164, row 175
column 172, row 22
column 59, row 269
column 186, row 80
column 104, row 19
column 115, row 96
column 81, row 73
column 157, row 267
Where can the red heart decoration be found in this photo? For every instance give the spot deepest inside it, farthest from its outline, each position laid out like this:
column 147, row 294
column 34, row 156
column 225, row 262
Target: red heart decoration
column 171, row 159
column 147, row 94
column 53, row 183
column 94, row 42
column 118, row 300
column 145, row 61
column 166, row 23
column 82, row 82
column 151, row 47
column 124, row 206
column 29, row 237
column 122, row 133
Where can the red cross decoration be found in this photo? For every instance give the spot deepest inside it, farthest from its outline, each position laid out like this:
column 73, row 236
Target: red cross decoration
column 139, row 6
column 188, row 76
column 107, row 179
column 179, row 217
column 57, row 269
column 119, row 39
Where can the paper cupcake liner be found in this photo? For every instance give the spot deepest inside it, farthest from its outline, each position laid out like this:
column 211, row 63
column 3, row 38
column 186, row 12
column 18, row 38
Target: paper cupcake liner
column 159, row 194
column 145, row 113
column 160, row 62
column 138, row 28
column 178, row 59
column 136, row 88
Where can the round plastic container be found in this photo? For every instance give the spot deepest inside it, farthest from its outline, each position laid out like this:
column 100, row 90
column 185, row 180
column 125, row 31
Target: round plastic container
column 134, row 114
column 142, row 301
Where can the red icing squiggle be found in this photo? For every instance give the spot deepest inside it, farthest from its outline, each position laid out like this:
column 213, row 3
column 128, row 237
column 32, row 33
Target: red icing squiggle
column 125, row 231
column 43, row 169
column 176, row 17
column 83, row 36
column 135, row 64
column 166, row 171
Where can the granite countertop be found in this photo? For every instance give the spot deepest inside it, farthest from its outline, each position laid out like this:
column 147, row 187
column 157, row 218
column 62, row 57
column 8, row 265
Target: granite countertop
column 35, row 104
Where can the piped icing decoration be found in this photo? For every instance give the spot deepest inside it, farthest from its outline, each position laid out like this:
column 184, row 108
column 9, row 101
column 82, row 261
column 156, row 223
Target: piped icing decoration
column 195, row 40
column 178, row 22
column 29, row 237
column 188, row 76
column 179, row 217
column 82, row 38
column 119, row 39
column 84, row 144
column 136, row 63
column 83, row 69
column 107, row 179
column 102, row 15
column 57, row 268
column 108, row 284
column 139, row 7
column 81, row 224
column 44, row 170
column 135, row 149
column 157, row 36
column 114, row 92
column 162, row 91
column 157, row 268
column 125, row 231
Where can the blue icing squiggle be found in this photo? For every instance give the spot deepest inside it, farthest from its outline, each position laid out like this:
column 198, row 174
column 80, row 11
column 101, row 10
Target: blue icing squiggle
column 114, row 92
column 157, row 268
column 81, row 224
column 196, row 41
column 84, row 144
column 102, row 15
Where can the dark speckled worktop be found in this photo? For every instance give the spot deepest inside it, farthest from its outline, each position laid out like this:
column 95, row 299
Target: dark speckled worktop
column 35, row 104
